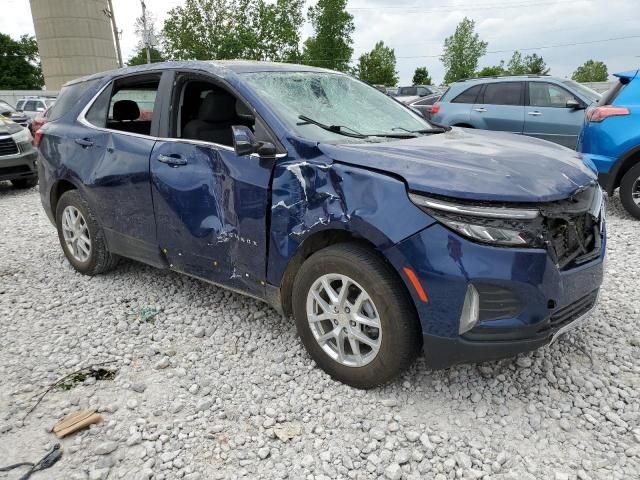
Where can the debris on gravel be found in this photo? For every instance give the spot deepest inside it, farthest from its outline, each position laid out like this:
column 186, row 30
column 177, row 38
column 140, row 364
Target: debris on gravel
column 214, row 385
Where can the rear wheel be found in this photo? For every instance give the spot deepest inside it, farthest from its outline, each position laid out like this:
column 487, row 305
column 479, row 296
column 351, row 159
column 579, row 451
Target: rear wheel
column 81, row 237
column 630, row 191
column 354, row 316
column 25, row 182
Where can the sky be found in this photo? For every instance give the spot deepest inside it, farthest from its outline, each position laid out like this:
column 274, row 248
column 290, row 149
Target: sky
column 416, row 29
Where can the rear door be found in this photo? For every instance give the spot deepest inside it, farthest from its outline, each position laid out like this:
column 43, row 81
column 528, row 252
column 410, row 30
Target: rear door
column 548, row 117
column 500, row 107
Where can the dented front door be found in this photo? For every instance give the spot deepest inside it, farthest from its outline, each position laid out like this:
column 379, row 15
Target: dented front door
column 210, row 209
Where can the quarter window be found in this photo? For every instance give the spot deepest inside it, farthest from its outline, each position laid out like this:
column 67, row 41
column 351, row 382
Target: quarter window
column 548, row 95
column 468, row 96
column 503, row 93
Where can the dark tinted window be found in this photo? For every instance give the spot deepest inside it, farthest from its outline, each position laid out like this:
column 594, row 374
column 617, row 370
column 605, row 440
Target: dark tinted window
column 503, row 93
column 468, row 96
column 31, row 106
column 610, row 96
column 69, row 96
column 408, row 91
column 19, row 105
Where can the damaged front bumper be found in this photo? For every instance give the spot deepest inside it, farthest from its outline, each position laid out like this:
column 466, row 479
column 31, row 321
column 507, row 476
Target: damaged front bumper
column 524, row 298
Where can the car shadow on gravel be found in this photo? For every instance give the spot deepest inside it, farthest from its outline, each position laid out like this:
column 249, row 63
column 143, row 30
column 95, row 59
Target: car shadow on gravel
column 8, row 190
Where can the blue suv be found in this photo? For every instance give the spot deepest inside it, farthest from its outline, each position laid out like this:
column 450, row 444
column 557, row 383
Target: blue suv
column 611, row 140
column 538, row 106
column 380, row 233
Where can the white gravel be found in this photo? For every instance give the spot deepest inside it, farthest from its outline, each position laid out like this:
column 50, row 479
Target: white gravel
column 208, row 388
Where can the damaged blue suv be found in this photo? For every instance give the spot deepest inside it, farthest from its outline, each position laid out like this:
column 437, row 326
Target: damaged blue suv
column 380, row 233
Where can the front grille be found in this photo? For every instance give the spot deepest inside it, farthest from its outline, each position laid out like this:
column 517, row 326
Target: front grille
column 8, row 147
column 573, row 311
column 497, row 303
column 573, row 228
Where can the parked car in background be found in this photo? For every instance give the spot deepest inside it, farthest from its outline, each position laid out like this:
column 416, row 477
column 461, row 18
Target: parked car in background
column 33, row 105
column 539, row 106
column 17, row 155
column 417, row 91
column 7, row 111
column 392, row 91
column 424, row 105
column 610, row 138
column 316, row 193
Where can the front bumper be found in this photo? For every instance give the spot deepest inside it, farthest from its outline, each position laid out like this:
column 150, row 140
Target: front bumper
column 545, row 300
column 21, row 165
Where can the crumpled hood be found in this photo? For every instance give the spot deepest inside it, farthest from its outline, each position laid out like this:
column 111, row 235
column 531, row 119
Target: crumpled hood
column 474, row 165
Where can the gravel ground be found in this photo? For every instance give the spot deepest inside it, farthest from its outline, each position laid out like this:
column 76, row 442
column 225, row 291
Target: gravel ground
column 205, row 389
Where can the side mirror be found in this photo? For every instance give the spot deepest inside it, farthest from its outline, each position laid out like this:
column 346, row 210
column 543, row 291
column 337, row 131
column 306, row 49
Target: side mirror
column 575, row 105
column 245, row 143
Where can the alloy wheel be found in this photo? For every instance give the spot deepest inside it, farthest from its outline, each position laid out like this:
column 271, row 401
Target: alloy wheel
column 344, row 320
column 76, row 234
column 635, row 192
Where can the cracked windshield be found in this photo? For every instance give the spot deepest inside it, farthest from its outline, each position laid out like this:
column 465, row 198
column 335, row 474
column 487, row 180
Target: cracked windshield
column 334, row 108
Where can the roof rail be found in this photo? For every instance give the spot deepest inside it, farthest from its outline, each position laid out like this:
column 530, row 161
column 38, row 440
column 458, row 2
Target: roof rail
column 505, row 76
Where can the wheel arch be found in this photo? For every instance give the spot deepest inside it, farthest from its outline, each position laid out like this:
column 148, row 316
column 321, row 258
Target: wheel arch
column 621, row 167
column 59, row 188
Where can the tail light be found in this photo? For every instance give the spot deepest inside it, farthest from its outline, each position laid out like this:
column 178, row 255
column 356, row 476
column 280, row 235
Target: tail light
column 37, row 138
column 598, row 114
column 435, row 109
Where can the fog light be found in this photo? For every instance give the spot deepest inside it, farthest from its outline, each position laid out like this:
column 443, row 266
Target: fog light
column 470, row 310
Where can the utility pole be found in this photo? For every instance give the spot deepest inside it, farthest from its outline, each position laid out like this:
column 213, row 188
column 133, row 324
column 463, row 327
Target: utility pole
column 146, row 36
column 116, row 35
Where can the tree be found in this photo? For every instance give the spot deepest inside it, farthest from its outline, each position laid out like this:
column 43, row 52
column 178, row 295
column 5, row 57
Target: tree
column 591, row 71
column 462, row 51
column 494, row 71
column 421, row 76
column 20, row 64
column 331, row 45
column 225, row 29
column 529, row 65
column 378, row 67
column 140, row 58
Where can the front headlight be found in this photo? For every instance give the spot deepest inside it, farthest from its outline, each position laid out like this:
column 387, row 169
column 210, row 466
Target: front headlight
column 23, row 136
column 498, row 225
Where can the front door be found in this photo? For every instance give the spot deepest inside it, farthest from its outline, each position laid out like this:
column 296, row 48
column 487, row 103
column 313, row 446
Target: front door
column 548, row 117
column 210, row 205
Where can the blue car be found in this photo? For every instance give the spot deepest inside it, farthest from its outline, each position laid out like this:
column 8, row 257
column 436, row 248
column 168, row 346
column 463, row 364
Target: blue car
column 610, row 138
column 538, row 106
column 380, row 233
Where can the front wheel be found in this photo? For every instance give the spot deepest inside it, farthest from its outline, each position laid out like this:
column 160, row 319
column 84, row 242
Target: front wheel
column 354, row 316
column 630, row 191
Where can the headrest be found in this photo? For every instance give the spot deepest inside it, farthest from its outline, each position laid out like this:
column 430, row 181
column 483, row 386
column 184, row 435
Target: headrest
column 217, row 106
column 125, row 110
column 243, row 111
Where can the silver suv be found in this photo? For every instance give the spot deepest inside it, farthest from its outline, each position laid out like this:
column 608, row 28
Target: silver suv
column 539, row 106
column 31, row 106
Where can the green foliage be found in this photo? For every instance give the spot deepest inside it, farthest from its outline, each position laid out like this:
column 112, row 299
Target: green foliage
column 462, row 51
column 331, row 45
column 591, row 71
column 494, row 71
column 529, row 65
column 378, row 67
column 140, row 58
column 20, row 64
column 421, row 76
column 226, row 29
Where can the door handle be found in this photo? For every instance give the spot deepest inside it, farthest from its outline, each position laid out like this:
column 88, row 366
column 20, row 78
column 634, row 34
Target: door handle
column 84, row 142
column 534, row 114
column 172, row 160
column 480, row 110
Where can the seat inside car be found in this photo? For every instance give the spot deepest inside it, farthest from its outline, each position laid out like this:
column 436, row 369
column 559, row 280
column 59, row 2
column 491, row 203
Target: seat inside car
column 216, row 116
column 125, row 116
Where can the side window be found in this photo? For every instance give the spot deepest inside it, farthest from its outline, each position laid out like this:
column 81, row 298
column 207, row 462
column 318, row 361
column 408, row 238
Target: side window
column 548, row 95
column 207, row 112
column 19, row 105
column 30, row 106
column 503, row 93
column 468, row 96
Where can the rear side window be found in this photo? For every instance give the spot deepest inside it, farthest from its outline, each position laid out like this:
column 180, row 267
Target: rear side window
column 19, row 105
column 503, row 93
column 468, row 96
column 610, row 96
column 69, row 97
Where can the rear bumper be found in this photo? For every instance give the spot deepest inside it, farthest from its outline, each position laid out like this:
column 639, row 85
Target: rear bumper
column 22, row 165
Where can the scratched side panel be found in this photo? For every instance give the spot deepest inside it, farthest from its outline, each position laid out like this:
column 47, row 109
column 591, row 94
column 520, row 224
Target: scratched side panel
column 311, row 196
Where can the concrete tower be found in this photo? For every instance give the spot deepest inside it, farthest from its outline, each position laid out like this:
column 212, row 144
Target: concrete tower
column 74, row 38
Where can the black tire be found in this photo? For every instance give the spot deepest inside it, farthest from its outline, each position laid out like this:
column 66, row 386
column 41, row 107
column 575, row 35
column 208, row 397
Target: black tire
column 100, row 260
column 401, row 338
column 630, row 179
column 25, row 182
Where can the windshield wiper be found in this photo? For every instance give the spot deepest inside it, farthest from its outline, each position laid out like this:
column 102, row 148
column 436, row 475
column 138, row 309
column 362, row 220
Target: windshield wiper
column 339, row 129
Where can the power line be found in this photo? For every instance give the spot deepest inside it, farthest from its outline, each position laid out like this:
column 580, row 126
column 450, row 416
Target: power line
column 461, row 7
